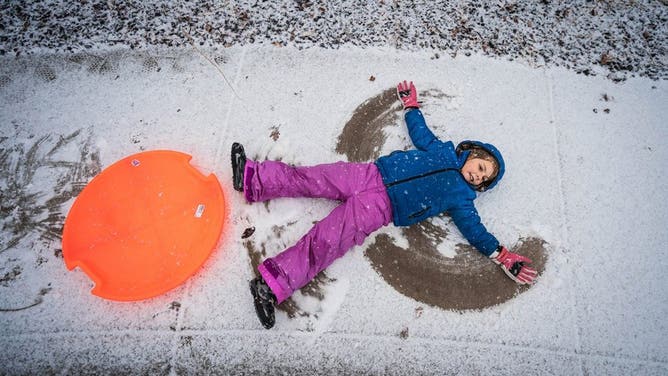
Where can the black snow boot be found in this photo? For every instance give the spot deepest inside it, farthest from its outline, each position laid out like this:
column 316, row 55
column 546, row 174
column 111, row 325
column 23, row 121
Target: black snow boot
column 264, row 301
column 238, row 164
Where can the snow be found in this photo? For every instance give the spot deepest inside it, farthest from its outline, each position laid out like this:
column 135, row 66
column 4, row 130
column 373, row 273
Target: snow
column 591, row 183
column 617, row 39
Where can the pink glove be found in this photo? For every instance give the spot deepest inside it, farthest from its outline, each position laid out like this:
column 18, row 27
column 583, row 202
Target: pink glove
column 515, row 266
column 408, row 95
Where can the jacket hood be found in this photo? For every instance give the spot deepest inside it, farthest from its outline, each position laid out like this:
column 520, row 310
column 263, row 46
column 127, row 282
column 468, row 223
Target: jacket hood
column 470, row 144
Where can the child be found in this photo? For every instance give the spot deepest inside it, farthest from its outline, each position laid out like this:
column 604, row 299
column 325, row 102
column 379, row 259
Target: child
column 405, row 187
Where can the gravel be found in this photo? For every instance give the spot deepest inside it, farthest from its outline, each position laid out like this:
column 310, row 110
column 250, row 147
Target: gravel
column 619, row 39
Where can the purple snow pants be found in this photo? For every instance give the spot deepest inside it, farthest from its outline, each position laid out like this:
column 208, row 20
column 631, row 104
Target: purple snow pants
column 365, row 207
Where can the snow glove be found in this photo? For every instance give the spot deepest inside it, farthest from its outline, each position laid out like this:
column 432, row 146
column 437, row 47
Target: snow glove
column 408, row 95
column 515, row 266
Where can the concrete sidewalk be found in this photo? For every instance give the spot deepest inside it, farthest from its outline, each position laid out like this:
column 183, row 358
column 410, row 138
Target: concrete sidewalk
column 586, row 179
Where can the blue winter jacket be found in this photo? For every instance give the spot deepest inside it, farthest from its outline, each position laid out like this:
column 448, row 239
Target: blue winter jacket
column 426, row 182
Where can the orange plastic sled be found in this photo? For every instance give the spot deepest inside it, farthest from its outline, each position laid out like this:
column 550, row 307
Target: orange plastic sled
column 144, row 225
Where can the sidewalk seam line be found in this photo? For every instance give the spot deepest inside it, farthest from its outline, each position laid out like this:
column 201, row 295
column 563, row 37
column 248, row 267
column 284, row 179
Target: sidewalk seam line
column 186, row 292
column 562, row 209
column 226, row 123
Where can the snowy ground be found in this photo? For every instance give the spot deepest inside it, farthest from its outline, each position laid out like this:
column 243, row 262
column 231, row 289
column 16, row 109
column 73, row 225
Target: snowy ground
column 586, row 174
column 572, row 92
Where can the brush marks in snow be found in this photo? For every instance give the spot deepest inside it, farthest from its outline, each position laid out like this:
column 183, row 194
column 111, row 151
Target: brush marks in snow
column 30, row 206
column 39, row 176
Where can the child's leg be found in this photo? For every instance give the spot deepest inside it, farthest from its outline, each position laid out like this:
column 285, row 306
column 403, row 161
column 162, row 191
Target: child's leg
column 348, row 224
column 337, row 181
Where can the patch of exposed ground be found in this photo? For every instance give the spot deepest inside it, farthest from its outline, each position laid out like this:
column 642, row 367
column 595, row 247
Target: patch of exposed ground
column 467, row 281
column 362, row 136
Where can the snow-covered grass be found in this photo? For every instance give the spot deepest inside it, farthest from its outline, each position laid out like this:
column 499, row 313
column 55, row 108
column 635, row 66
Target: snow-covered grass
column 619, row 39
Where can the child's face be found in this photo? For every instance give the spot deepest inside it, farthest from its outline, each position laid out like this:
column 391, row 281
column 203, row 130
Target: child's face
column 477, row 171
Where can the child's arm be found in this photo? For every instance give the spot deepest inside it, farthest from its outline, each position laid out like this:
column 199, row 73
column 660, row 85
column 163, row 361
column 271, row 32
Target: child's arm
column 468, row 222
column 423, row 138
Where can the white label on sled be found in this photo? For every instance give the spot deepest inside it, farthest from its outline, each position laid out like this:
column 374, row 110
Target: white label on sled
column 199, row 211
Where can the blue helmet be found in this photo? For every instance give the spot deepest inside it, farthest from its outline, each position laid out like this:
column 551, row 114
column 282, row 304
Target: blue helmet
column 491, row 149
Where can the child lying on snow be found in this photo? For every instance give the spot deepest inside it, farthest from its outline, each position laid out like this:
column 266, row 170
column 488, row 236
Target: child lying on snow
column 405, row 187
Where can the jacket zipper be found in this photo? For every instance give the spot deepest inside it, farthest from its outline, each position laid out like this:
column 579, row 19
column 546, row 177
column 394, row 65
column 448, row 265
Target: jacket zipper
column 420, row 176
column 418, row 214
